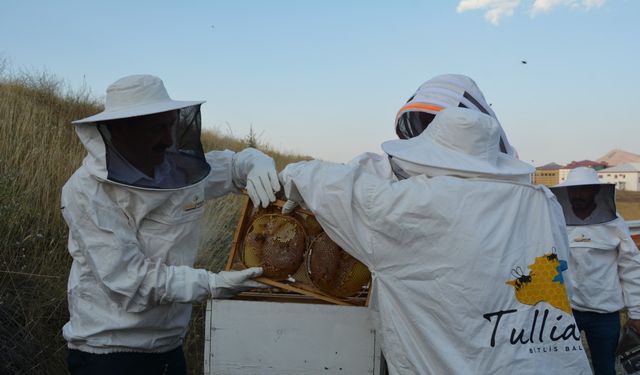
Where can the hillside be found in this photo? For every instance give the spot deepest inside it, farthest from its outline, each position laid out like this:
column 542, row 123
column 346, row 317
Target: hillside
column 617, row 157
column 38, row 152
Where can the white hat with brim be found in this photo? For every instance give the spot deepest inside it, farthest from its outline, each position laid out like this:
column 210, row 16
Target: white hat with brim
column 136, row 95
column 581, row 176
column 459, row 139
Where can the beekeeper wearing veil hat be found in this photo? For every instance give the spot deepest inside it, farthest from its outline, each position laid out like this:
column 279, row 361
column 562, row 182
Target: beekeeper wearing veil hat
column 604, row 264
column 443, row 242
column 134, row 210
column 440, row 92
column 434, row 95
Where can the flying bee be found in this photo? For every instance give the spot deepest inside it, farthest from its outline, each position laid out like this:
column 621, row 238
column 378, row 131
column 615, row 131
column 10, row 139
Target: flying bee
column 552, row 255
column 521, row 278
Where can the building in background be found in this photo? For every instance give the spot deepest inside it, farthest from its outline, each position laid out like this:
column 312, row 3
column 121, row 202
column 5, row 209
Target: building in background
column 547, row 174
column 625, row 176
column 564, row 171
column 616, row 166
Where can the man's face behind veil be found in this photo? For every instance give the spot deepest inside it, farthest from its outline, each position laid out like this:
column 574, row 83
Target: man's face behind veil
column 582, row 197
column 143, row 140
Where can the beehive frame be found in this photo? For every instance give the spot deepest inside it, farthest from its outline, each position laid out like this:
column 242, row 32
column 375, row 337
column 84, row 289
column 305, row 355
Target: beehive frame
column 281, row 290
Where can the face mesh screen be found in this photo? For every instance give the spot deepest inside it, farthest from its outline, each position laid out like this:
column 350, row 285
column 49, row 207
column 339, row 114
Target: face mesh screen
column 276, row 243
column 334, row 271
column 182, row 162
column 604, row 204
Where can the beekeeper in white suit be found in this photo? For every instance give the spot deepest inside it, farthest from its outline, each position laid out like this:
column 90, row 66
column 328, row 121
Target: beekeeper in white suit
column 440, row 92
column 452, row 239
column 604, row 264
column 134, row 211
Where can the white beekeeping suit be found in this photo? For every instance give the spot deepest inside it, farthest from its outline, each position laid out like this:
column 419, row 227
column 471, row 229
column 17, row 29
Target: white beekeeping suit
column 604, row 264
column 133, row 235
column 466, row 261
column 604, row 261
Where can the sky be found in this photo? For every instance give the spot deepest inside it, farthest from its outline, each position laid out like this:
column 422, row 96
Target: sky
column 326, row 78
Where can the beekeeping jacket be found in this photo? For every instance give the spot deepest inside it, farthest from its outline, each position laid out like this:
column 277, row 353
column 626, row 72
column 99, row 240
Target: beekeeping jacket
column 131, row 281
column 467, row 272
column 604, row 262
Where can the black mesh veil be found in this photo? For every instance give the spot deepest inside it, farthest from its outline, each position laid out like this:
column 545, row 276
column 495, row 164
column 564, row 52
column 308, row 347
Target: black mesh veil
column 182, row 162
column 604, row 199
column 188, row 153
column 411, row 123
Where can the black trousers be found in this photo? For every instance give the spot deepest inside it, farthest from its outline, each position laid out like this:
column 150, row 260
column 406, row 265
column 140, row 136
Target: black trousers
column 169, row 363
column 603, row 332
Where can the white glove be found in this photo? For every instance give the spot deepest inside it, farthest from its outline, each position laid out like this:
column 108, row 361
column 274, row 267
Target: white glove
column 227, row 284
column 289, row 206
column 291, row 192
column 257, row 173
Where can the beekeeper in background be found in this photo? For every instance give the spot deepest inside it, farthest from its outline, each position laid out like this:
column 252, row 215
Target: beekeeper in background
column 604, row 264
column 134, row 211
column 443, row 235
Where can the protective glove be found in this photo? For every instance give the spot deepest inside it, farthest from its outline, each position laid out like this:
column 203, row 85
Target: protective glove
column 289, row 206
column 291, row 192
column 227, row 284
column 256, row 172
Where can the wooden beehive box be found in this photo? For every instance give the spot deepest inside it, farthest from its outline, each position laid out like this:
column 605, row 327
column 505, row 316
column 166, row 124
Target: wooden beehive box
column 299, row 287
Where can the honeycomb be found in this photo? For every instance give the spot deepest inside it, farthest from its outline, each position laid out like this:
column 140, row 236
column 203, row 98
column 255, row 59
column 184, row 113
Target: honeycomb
column 545, row 283
column 276, row 243
column 333, row 271
column 311, row 226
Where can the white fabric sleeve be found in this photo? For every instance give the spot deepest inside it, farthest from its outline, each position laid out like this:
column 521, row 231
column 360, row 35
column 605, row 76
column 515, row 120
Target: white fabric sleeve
column 109, row 246
column 220, row 179
column 339, row 201
column 629, row 270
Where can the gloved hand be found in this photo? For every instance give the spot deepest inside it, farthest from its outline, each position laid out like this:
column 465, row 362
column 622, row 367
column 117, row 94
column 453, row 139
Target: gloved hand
column 257, row 173
column 289, row 206
column 226, row 284
column 291, row 192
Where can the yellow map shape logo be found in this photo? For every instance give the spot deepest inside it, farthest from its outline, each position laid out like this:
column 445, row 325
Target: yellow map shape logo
column 543, row 283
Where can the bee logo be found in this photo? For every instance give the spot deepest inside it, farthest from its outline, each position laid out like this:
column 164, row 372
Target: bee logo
column 544, row 282
column 521, row 278
column 193, row 205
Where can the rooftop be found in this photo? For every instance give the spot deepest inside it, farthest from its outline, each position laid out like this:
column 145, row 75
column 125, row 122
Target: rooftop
column 627, row 167
column 550, row 166
column 586, row 163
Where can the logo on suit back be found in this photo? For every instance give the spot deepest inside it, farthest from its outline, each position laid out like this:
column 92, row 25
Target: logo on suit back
column 542, row 329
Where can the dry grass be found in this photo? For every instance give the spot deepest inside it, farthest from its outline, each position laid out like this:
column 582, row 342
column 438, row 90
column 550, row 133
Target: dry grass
column 38, row 152
column 628, row 204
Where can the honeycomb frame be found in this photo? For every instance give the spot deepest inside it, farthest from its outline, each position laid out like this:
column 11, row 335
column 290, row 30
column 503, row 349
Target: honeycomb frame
column 299, row 288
